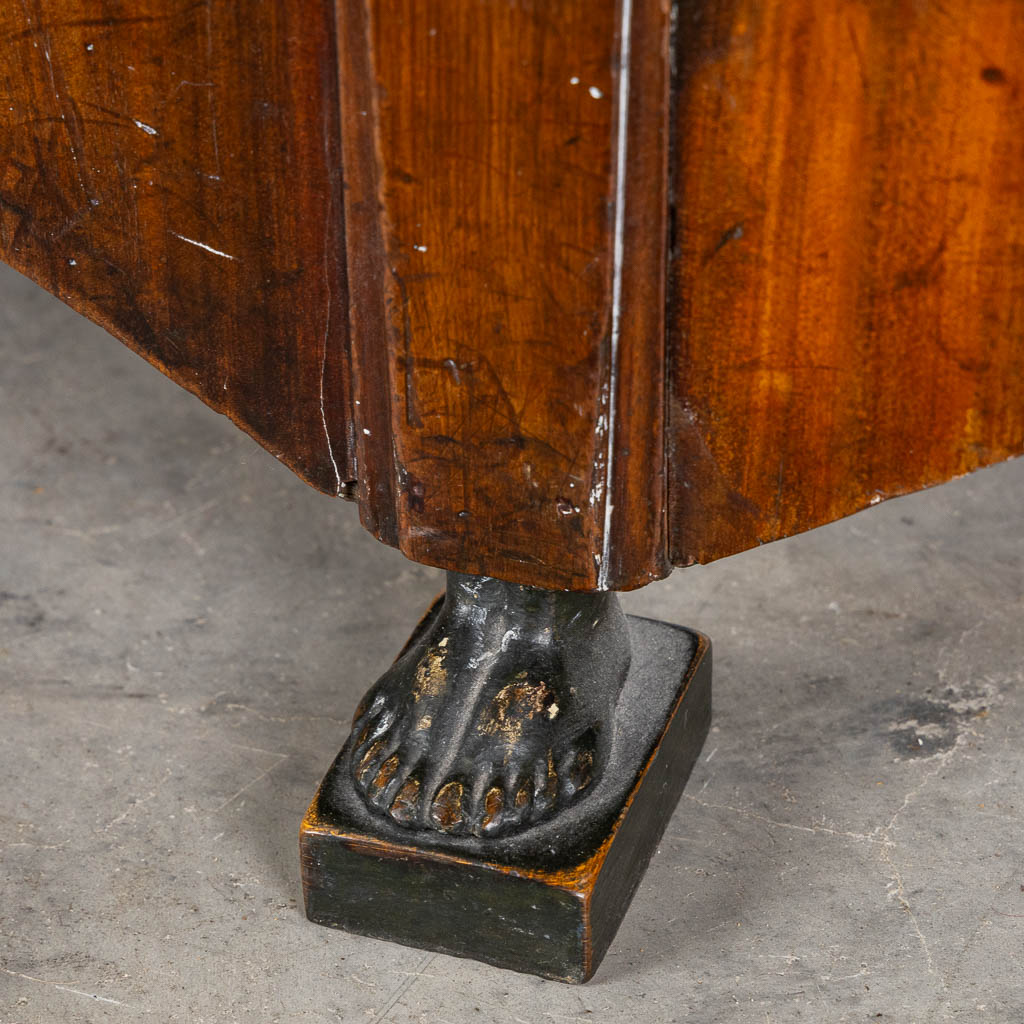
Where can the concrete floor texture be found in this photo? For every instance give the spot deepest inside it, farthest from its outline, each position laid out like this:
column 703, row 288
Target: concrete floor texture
column 186, row 628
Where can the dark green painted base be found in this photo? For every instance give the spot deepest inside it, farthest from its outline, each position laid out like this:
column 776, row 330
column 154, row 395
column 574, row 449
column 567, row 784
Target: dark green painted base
column 550, row 904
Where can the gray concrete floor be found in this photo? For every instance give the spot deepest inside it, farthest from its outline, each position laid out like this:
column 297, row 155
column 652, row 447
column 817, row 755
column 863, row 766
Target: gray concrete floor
column 185, row 629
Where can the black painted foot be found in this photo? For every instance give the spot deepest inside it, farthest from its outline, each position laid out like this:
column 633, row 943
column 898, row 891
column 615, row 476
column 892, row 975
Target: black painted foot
column 498, row 714
column 548, row 898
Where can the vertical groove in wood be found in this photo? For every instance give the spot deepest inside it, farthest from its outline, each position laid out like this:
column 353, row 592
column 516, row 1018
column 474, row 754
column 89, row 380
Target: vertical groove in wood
column 635, row 543
column 371, row 306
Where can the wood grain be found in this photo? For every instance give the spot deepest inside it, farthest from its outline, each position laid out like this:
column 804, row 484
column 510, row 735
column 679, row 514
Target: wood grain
column 575, row 316
column 171, row 169
column 506, row 247
column 847, row 281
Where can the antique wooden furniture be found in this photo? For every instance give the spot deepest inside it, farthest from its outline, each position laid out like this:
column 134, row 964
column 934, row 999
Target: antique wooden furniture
column 561, row 292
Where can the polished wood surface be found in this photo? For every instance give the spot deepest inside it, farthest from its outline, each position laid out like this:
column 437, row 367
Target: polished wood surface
column 172, row 170
column 598, row 296
column 501, row 220
column 847, row 283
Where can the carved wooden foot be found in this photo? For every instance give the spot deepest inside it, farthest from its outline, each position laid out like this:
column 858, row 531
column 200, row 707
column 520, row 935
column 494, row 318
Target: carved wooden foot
column 508, row 778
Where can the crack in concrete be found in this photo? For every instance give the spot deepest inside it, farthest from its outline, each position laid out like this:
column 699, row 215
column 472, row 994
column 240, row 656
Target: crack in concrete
column 871, row 837
column 73, row 991
column 403, row 986
column 262, row 775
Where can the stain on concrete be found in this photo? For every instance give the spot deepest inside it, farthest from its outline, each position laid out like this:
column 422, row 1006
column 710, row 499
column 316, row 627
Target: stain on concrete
column 21, row 609
column 929, row 724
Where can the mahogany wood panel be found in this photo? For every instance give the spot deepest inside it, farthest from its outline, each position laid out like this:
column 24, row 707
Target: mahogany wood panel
column 847, row 283
column 573, row 316
column 506, row 229
column 171, row 168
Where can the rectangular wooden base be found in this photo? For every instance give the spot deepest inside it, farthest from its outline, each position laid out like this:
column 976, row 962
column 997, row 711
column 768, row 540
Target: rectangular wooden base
column 553, row 916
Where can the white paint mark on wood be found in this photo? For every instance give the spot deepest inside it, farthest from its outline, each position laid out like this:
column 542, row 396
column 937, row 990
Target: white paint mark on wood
column 618, row 255
column 203, row 245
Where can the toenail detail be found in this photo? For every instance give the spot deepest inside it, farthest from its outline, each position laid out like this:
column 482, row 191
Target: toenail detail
column 365, row 764
column 446, row 810
column 403, row 807
column 493, row 803
column 582, row 770
column 386, row 772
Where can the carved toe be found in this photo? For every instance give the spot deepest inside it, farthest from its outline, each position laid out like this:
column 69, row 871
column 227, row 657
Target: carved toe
column 519, row 799
column 576, row 768
column 493, row 806
column 367, row 762
column 371, row 727
column 391, row 778
column 545, row 785
column 376, row 765
column 447, row 810
column 406, row 802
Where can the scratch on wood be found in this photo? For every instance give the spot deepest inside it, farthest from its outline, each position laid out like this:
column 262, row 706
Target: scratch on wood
column 202, row 245
column 733, row 234
column 65, row 104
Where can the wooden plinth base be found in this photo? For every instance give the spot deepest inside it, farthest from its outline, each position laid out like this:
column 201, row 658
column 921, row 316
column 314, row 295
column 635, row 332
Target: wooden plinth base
column 547, row 901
